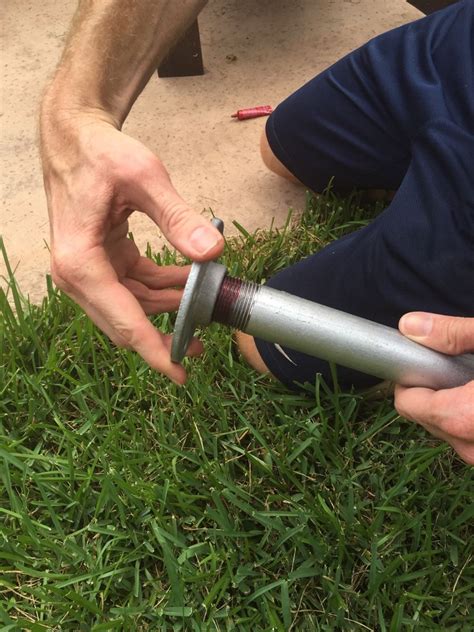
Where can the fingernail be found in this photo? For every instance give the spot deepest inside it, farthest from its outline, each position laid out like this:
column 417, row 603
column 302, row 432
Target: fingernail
column 204, row 239
column 418, row 324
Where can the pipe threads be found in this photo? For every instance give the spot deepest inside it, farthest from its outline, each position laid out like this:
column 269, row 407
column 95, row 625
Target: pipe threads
column 235, row 302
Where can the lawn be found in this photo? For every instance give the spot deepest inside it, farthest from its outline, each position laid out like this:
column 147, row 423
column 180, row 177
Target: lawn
column 128, row 503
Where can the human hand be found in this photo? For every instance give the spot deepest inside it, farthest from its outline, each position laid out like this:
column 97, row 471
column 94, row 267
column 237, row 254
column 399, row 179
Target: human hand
column 449, row 413
column 95, row 177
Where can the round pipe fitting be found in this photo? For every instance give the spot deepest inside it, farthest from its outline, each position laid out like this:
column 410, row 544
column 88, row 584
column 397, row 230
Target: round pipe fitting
column 314, row 329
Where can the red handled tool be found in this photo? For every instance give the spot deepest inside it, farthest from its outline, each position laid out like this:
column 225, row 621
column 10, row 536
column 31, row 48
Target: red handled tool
column 248, row 113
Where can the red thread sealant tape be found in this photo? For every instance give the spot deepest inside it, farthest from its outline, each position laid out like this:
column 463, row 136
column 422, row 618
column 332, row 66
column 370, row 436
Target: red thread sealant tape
column 248, row 113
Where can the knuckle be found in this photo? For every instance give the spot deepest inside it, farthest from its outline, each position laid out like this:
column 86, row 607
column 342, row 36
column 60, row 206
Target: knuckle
column 61, row 270
column 128, row 336
column 67, row 270
column 144, row 166
column 174, row 216
column 123, row 337
column 453, row 336
column 149, row 297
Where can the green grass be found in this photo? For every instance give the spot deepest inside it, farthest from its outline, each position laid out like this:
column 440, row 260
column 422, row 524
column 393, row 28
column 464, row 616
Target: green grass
column 128, row 503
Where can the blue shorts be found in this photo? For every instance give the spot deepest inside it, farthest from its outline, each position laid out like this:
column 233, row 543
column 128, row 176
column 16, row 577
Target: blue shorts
column 397, row 113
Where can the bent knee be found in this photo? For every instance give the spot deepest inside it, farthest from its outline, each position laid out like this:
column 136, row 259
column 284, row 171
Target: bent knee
column 249, row 351
column 272, row 162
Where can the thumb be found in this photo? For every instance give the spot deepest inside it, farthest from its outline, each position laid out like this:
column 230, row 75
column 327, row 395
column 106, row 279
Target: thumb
column 193, row 235
column 448, row 334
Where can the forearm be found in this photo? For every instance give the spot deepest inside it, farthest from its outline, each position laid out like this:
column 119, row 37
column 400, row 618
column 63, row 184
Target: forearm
column 111, row 51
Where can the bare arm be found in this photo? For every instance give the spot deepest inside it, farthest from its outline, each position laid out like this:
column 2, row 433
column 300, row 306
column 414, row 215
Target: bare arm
column 112, row 49
column 95, row 175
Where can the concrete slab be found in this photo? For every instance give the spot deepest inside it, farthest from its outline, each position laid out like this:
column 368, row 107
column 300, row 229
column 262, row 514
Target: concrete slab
column 255, row 53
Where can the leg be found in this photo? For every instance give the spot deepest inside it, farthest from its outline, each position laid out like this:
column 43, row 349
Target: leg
column 418, row 254
column 249, row 351
column 354, row 124
column 272, row 162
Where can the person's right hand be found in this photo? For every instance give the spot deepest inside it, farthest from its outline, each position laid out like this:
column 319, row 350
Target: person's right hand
column 95, row 176
column 447, row 413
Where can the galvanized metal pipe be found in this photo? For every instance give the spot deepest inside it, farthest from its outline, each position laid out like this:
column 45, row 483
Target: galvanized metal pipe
column 314, row 329
column 335, row 336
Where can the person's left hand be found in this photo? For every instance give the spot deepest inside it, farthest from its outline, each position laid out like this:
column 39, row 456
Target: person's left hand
column 95, row 177
column 449, row 413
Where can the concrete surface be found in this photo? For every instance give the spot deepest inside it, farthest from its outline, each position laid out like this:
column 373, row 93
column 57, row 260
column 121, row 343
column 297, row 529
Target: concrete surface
column 213, row 159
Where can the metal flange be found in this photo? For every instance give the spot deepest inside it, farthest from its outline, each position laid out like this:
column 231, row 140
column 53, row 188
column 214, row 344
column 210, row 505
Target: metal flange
column 197, row 304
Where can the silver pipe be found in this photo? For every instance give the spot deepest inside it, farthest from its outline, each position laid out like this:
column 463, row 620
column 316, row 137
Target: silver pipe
column 336, row 336
column 311, row 328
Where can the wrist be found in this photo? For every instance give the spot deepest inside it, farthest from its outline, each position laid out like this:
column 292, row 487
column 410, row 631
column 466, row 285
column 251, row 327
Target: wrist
column 64, row 105
column 66, row 124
